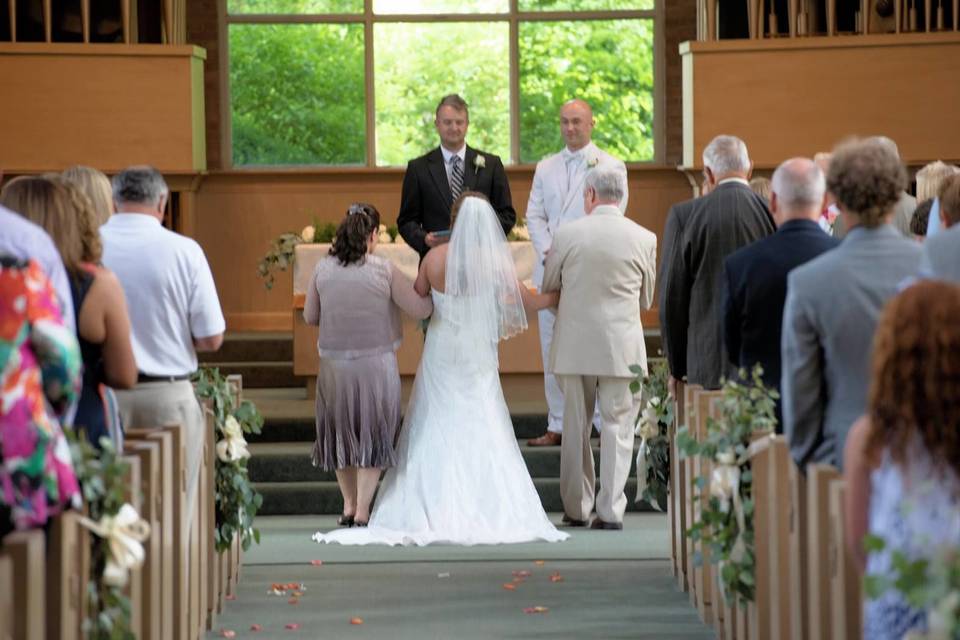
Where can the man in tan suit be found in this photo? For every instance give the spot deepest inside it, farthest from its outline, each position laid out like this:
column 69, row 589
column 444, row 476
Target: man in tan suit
column 604, row 266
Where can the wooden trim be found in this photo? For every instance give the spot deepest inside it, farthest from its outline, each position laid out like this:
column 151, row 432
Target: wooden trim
column 819, row 42
column 85, row 18
column 12, row 13
column 370, row 87
column 523, row 16
column 226, row 114
column 125, row 13
column 514, row 44
column 47, row 20
column 77, row 49
column 659, row 83
column 258, row 321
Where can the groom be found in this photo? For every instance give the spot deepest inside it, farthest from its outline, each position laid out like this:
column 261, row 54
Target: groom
column 434, row 181
column 604, row 265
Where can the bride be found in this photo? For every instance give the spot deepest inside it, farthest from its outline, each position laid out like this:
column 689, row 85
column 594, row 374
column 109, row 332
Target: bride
column 460, row 478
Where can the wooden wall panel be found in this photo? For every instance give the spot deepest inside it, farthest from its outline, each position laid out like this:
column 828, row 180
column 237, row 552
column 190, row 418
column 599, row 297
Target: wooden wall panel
column 794, row 97
column 237, row 214
column 107, row 106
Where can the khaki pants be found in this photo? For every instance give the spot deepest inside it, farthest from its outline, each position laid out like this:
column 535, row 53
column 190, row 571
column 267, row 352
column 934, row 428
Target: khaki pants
column 577, row 475
column 161, row 404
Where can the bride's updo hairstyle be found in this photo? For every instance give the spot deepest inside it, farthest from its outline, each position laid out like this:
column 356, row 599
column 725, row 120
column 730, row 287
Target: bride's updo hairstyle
column 350, row 240
column 459, row 203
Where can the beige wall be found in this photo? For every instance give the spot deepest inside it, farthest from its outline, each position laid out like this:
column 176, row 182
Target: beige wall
column 235, row 215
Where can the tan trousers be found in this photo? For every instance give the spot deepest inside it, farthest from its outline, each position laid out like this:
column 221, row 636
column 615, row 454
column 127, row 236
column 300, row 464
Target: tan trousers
column 618, row 408
column 161, row 404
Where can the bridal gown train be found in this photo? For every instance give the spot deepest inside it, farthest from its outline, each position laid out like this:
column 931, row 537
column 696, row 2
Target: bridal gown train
column 460, row 478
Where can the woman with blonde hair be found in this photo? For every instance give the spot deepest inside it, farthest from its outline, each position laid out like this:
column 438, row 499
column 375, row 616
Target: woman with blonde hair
column 929, row 180
column 102, row 322
column 902, row 459
column 96, row 186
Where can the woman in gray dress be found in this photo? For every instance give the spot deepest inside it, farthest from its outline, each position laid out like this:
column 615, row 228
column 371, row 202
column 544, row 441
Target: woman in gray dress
column 356, row 298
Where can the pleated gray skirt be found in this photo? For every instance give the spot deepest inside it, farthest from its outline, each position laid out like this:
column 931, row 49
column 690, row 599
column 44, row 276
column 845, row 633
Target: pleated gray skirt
column 358, row 412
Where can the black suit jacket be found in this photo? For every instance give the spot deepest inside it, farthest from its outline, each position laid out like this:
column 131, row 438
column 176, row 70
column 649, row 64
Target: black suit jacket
column 699, row 235
column 755, row 290
column 425, row 200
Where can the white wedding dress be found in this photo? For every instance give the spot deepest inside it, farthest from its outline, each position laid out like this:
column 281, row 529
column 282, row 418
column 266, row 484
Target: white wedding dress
column 459, row 478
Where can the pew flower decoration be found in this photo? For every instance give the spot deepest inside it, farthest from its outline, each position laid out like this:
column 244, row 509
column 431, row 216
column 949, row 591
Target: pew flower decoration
column 232, row 447
column 928, row 584
column 236, row 501
column 725, row 522
column 124, row 534
column 652, row 426
column 117, row 546
column 520, row 232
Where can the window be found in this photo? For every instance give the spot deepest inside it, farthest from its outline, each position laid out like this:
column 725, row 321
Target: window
column 356, row 82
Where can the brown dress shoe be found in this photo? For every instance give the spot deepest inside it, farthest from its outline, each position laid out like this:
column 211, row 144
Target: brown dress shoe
column 549, row 439
column 607, row 526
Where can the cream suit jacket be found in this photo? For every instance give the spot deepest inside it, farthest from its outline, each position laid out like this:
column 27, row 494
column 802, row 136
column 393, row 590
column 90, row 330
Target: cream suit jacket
column 553, row 202
column 604, row 266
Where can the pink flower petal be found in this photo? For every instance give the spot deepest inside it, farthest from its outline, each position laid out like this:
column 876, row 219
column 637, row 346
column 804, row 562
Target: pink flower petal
column 317, row 563
column 292, row 626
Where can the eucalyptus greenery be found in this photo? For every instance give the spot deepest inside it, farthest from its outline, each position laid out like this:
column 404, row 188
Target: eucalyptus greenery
column 747, row 410
column 236, row 500
column 931, row 585
column 102, row 479
column 657, row 411
column 279, row 257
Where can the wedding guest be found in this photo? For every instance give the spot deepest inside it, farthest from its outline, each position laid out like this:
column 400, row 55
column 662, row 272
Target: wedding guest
column 761, row 187
column 40, row 378
column 103, row 325
column 434, row 181
column 941, row 253
column 604, row 265
column 755, row 277
column 903, row 210
column 555, row 200
column 699, row 235
column 929, row 180
column 22, row 239
column 96, row 187
column 833, row 303
column 902, row 459
column 356, row 298
column 829, row 212
column 174, row 312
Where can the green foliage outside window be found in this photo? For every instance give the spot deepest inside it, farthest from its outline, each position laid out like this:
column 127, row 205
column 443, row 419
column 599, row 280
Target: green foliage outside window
column 294, row 6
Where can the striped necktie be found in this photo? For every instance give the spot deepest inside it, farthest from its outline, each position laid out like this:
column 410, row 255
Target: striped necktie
column 456, row 177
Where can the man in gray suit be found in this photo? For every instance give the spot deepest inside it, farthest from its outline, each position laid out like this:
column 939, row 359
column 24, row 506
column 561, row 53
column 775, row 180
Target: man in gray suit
column 699, row 236
column 604, row 265
column 941, row 253
column 834, row 301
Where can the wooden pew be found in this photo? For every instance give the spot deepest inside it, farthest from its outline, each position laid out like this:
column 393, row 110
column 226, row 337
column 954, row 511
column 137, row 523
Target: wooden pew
column 25, row 551
column 846, row 591
column 68, row 568
column 689, row 490
column 704, row 578
column 206, row 501
column 759, row 614
column 156, row 606
column 678, row 495
column 798, row 558
column 7, row 589
column 819, row 604
column 777, row 510
column 134, row 589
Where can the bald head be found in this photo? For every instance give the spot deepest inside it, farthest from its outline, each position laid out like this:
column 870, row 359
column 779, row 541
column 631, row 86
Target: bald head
column 797, row 191
column 576, row 124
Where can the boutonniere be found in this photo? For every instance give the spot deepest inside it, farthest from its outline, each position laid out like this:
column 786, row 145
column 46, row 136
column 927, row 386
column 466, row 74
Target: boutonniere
column 479, row 162
column 592, row 162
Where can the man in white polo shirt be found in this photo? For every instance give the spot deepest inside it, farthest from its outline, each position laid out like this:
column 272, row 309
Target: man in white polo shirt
column 174, row 310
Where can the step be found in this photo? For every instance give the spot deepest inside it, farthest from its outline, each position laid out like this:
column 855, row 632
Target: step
column 303, row 428
column 260, row 375
column 290, row 462
column 252, row 347
column 323, row 497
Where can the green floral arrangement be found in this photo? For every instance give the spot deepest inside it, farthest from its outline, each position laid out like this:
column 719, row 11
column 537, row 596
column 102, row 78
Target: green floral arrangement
column 101, row 475
column 726, row 526
column 652, row 425
column 929, row 585
column 236, row 501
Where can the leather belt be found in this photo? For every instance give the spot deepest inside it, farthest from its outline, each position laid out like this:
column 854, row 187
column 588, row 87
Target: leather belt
column 142, row 377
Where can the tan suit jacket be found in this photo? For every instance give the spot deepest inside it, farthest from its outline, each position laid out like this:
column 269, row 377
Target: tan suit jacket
column 605, row 266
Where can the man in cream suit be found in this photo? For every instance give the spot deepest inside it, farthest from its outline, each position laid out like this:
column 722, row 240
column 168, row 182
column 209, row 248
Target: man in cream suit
column 556, row 199
column 604, row 266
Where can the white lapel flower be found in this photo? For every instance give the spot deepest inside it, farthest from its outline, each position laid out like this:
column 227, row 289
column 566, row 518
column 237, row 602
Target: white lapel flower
column 592, row 162
column 479, row 162
column 232, row 447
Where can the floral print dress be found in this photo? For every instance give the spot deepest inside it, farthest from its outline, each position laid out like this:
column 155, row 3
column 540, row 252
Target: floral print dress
column 40, row 374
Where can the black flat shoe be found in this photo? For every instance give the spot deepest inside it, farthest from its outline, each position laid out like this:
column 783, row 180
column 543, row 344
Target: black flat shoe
column 573, row 522
column 359, row 523
column 345, row 521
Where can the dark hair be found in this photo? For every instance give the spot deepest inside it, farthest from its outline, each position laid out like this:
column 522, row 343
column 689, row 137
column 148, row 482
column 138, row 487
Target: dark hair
column 920, row 217
column 915, row 383
column 950, row 198
column 455, row 101
column 350, row 240
column 455, row 209
column 866, row 177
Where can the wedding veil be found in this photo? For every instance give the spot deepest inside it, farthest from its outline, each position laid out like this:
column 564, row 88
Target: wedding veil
column 481, row 280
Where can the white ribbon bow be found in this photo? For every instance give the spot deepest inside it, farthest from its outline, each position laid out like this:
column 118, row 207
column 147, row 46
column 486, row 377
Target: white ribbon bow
column 124, row 533
column 647, row 429
column 232, row 446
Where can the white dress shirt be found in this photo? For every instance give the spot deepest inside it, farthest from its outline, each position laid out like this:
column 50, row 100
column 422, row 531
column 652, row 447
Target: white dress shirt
column 170, row 292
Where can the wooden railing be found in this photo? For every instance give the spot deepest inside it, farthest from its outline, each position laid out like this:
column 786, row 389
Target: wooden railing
column 806, row 584
column 183, row 583
column 802, row 16
column 173, row 21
